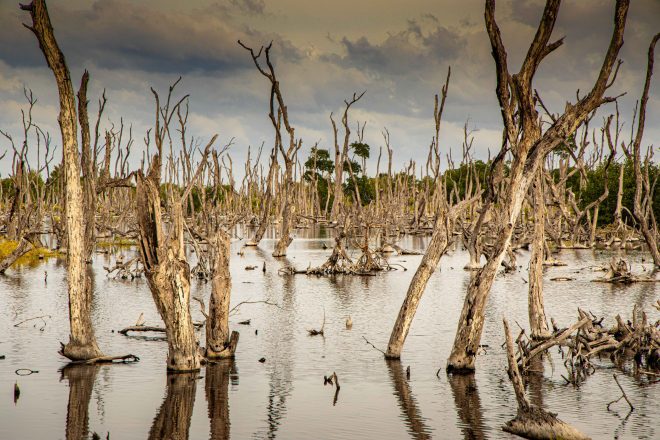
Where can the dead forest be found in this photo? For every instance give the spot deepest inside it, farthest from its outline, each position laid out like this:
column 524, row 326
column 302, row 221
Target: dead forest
column 578, row 179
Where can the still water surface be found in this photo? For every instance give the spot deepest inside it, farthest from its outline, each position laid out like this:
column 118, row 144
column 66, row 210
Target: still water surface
column 284, row 397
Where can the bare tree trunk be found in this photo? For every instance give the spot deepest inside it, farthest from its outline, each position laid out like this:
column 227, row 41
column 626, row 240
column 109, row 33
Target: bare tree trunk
column 82, row 342
column 88, row 171
column 529, row 145
column 23, row 247
column 218, row 342
column 644, row 214
column 268, row 202
column 537, row 319
column 168, row 274
column 288, row 212
column 434, row 252
column 437, row 247
column 173, row 418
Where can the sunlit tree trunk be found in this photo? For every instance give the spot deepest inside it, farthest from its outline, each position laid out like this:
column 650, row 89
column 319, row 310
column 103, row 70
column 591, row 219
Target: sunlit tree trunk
column 82, row 342
column 537, row 319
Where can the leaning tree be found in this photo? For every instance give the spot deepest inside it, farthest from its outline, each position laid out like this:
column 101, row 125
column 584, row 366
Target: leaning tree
column 528, row 143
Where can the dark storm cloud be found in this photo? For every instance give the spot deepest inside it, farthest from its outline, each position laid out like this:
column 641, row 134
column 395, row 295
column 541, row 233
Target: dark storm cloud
column 121, row 34
column 402, row 52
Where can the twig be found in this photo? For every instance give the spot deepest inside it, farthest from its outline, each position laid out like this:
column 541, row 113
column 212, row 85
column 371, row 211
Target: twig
column 373, row 345
column 233, row 309
column 32, row 319
column 623, row 396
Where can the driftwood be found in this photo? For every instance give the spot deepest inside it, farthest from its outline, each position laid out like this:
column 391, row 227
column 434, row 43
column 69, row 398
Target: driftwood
column 147, row 328
column 587, row 338
column 619, row 272
column 128, row 358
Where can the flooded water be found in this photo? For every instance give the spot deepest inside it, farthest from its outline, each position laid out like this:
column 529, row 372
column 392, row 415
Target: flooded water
column 284, row 397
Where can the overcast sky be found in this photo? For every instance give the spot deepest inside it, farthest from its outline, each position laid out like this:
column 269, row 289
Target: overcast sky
column 398, row 52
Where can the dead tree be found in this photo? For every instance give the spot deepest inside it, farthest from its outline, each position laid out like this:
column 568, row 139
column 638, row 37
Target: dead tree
column 23, row 221
column 82, row 342
column 341, row 155
column 277, row 118
column 442, row 232
column 219, row 344
column 88, row 172
column 643, row 200
column 268, row 201
column 163, row 256
column 537, row 320
column 528, row 145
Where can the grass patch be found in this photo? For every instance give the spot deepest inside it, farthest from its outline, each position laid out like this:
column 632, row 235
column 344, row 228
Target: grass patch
column 116, row 242
column 32, row 258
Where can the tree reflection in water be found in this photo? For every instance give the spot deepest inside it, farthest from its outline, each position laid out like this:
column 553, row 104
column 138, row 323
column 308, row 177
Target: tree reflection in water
column 81, row 382
column 216, row 388
column 468, row 405
column 173, row 418
column 407, row 402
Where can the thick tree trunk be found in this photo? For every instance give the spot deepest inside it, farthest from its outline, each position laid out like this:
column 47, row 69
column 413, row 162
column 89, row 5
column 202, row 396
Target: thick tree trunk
column 81, row 383
column 173, row 418
column 82, row 342
column 644, row 217
column 218, row 342
column 168, row 274
column 537, row 319
column 217, row 397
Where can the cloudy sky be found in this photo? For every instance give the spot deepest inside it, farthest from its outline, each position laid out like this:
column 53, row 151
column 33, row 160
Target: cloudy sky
column 398, row 52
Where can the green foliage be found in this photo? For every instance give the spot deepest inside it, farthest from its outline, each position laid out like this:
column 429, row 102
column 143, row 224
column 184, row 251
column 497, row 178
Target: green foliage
column 586, row 191
column 366, row 187
column 360, row 149
column 319, row 162
column 459, row 178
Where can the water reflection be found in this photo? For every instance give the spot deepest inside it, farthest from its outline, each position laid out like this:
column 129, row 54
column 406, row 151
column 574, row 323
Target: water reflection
column 281, row 344
column 535, row 381
column 407, row 402
column 468, row 405
column 173, row 418
column 81, row 382
column 217, row 397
